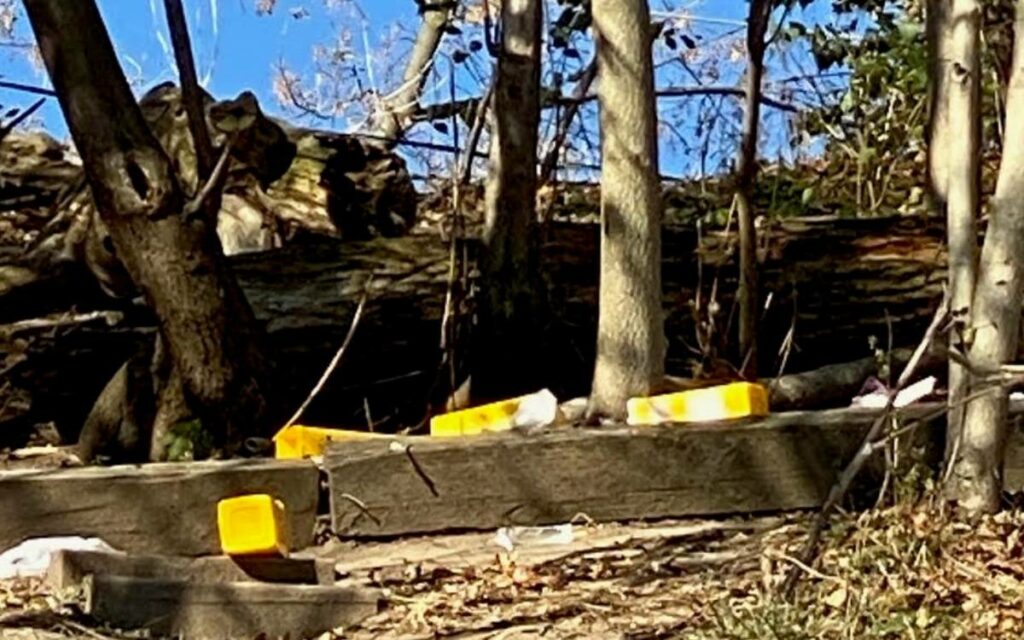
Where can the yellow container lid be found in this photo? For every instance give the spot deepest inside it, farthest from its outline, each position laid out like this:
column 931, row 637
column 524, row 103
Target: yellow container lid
column 301, row 441
column 497, row 416
column 722, row 402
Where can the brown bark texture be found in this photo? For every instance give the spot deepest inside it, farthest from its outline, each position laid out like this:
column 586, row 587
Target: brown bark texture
column 630, row 334
column 509, row 302
column 995, row 320
column 746, row 173
column 210, row 332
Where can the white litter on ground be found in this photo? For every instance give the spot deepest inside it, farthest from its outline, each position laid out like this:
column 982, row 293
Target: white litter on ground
column 31, row 558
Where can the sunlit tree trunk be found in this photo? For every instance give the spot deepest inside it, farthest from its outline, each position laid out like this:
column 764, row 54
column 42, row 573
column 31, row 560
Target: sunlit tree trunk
column 962, row 80
column 396, row 109
column 631, row 339
column 995, row 321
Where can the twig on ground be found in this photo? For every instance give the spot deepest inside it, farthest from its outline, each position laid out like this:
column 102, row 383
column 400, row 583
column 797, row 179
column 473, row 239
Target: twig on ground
column 420, row 472
column 842, row 485
column 111, row 318
column 337, row 356
column 809, row 570
column 362, row 507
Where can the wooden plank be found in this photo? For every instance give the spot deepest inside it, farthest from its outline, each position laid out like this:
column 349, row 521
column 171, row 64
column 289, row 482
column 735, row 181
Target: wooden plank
column 165, row 508
column 404, row 559
column 69, row 568
column 227, row 610
column 787, row 461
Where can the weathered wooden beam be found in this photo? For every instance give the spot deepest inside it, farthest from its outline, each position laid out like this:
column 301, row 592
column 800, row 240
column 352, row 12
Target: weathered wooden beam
column 787, row 461
column 168, row 508
column 227, row 610
column 69, row 568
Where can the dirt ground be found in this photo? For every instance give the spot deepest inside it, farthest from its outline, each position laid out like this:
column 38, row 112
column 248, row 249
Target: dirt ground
column 905, row 572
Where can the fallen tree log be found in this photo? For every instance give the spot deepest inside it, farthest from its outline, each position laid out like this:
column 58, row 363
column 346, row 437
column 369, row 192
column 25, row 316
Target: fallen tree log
column 833, row 284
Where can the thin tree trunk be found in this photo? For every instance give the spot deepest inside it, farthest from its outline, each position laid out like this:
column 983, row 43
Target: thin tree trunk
column 630, row 335
column 191, row 93
column 963, row 84
column 506, row 347
column 397, row 109
column 208, row 327
column 746, row 172
column 938, row 32
column 976, row 473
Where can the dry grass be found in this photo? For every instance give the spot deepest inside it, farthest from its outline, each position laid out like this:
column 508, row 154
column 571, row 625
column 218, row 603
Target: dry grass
column 909, row 571
column 904, row 572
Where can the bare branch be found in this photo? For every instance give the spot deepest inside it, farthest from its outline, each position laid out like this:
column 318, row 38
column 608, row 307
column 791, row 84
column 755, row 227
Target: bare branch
column 191, row 94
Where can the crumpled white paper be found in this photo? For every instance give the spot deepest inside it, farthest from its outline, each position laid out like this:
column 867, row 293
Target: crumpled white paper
column 508, row 538
column 877, row 396
column 536, row 411
column 31, row 558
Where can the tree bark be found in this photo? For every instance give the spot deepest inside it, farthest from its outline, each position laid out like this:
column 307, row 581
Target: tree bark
column 397, row 109
column 938, row 32
column 963, row 84
column 209, row 328
column 508, row 307
column 630, row 336
column 977, row 466
column 746, row 172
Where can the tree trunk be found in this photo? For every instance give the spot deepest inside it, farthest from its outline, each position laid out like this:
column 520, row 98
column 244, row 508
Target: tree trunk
column 963, row 84
column 508, row 308
column 938, row 133
column 976, row 474
column 746, row 172
column 396, row 110
column 630, row 335
column 209, row 328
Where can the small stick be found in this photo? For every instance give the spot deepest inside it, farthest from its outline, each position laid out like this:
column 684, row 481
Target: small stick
column 474, row 134
column 842, row 485
column 21, row 117
column 212, row 184
column 337, row 356
column 27, row 88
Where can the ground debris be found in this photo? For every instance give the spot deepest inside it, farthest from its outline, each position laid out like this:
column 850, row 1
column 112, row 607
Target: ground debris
column 902, row 572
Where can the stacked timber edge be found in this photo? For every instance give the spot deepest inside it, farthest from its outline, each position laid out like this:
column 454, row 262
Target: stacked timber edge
column 787, row 461
column 160, row 508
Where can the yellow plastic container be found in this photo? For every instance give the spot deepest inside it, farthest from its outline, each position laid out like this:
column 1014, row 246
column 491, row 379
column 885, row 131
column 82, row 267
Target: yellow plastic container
column 497, row 416
column 299, row 441
column 253, row 525
column 722, row 402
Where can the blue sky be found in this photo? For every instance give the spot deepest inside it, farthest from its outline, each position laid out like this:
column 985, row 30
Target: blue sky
column 237, row 50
